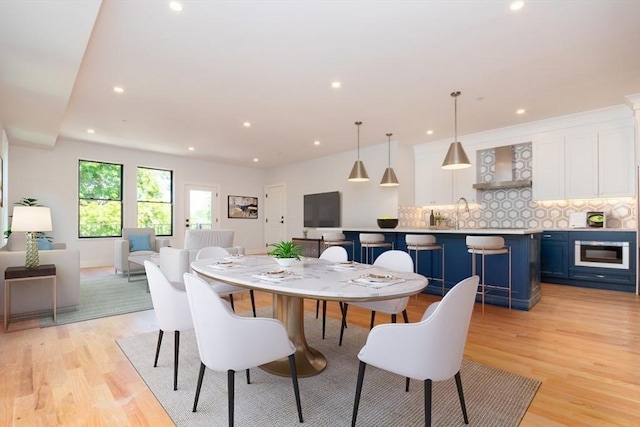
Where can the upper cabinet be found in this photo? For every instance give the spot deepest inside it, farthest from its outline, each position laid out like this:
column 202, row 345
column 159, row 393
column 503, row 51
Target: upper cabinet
column 586, row 165
column 436, row 186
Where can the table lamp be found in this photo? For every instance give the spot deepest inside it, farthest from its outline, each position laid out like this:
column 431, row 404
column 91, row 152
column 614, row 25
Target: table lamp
column 31, row 219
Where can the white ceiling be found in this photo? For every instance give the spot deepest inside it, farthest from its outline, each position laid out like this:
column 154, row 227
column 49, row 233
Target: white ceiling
column 192, row 78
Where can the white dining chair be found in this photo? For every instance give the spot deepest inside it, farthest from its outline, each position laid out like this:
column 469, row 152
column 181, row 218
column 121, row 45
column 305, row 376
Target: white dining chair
column 430, row 350
column 331, row 254
column 224, row 289
column 394, row 260
column 171, row 309
column 229, row 343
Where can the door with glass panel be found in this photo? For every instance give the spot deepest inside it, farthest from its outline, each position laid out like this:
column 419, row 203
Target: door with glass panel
column 202, row 206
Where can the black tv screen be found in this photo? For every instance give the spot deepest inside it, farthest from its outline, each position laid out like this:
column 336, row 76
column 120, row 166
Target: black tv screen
column 322, row 209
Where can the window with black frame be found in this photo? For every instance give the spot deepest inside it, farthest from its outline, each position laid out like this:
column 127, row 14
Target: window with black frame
column 99, row 199
column 155, row 200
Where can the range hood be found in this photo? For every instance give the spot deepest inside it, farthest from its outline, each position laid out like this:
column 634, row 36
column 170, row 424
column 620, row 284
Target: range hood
column 504, row 172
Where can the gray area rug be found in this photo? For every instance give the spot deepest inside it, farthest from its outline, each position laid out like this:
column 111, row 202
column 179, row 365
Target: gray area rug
column 494, row 397
column 108, row 296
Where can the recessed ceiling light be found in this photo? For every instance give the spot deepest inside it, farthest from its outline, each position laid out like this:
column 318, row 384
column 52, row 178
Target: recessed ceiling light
column 91, row 131
column 246, row 124
column 516, row 5
column 336, row 85
column 176, row 6
column 316, row 142
column 191, row 148
column 255, row 160
column 521, row 111
column 118, row 89
column 429, row 132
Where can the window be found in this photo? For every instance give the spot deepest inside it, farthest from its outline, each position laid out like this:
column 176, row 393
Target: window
column 99, row 199
column 155, row 200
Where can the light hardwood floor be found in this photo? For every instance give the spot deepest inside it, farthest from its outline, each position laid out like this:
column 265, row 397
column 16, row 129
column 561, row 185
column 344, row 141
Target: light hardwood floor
column 582, row 344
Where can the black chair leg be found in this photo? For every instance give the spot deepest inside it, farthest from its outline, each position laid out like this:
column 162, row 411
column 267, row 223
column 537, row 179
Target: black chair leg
column 406, row 385
column 324, row 317
column 345, row 307
column 248, row 377
column 199, row 386
column 231, row 390
column 373, row 319
column 317, row 307
column 394, row 318
column 253, row 302
column 344, row 320
column 160, row 334
column 296, row 389
column 461, row 396
column 427, row 403
column 231, row 302
column 176, row 350
column 356, row 403
column 405, row 316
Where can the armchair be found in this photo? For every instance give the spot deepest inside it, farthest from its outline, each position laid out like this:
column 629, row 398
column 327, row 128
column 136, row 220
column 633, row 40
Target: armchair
column 136, row 241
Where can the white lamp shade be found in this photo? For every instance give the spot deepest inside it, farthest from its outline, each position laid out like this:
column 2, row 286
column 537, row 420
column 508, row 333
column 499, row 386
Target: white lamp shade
column 31, row 218
column 456, row 158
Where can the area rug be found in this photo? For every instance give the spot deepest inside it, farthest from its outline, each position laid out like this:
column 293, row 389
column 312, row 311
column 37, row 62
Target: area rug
column 107, row 296
column 494, row 397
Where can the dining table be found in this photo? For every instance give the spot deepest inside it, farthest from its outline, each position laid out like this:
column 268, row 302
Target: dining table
column 307, row 278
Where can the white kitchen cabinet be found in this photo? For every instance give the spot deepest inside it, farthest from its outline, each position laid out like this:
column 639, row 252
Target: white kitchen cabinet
column 581, row 166
column 616, row 163
column 434, row 185
column 548, row 170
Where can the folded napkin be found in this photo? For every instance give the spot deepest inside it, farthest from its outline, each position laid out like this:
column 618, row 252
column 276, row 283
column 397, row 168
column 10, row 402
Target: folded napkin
column 276, row 276
column 349, row 265
column 225, row 265
column 377, row 281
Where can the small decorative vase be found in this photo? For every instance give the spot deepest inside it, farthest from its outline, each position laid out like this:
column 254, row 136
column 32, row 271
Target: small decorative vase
column 285, row 262
column 32, row 260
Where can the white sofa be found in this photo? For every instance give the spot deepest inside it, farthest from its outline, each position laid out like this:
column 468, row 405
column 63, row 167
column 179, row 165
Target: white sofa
column 174, row 262
column 31, row 297
column 122, row 248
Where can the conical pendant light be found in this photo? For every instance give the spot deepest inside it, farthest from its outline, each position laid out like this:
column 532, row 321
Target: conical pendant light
column 456, row 158
column 358, row 172
column 389, row 178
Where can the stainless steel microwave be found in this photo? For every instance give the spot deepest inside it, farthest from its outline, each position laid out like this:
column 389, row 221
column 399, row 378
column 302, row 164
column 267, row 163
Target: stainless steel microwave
column 602, row 254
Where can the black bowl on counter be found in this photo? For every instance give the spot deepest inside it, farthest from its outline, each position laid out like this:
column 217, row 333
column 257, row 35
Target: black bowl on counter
column 388, row 222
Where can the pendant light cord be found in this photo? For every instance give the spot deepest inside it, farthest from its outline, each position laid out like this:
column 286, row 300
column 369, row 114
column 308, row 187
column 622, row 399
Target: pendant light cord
column 358, row 124
column 389, row 137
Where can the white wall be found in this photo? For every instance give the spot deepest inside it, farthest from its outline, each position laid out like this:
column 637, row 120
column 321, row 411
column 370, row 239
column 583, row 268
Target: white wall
column 51, row 176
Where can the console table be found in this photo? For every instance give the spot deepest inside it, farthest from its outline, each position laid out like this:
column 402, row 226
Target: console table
column 20, row 274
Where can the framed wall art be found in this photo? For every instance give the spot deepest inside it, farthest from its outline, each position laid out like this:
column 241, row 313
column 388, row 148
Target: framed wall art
column 243, row 207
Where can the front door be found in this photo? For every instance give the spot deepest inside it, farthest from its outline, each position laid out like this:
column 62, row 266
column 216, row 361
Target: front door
column 202, row 206
column 275, row 229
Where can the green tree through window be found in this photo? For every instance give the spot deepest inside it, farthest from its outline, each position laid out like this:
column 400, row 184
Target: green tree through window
column 99, row 199
column 155, row 200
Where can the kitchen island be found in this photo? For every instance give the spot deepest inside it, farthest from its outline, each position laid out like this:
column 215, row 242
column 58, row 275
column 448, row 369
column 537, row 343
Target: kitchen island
column 525, row 260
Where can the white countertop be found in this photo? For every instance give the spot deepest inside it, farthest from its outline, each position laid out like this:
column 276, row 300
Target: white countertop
column 446, row 231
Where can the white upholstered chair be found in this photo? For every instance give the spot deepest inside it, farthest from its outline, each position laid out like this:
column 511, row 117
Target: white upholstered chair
column 229, row 343
column 223, row 289
column 430, row 350
column 172, row 312
column 331, row 254
column 393, row 260
column 136, row 241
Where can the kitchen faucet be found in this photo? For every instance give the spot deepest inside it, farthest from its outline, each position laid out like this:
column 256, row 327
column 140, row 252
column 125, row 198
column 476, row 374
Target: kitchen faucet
column 466, row 209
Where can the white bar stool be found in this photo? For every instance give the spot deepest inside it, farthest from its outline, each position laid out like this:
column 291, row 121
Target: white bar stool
column 488, row 246
column 425, row 242
column 372, row 241
column 337, row 239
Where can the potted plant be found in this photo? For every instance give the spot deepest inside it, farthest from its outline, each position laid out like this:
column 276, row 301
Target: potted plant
column 285, row 253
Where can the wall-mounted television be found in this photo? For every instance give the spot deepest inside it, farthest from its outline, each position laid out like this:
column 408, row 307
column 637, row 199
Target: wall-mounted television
column 322, row 209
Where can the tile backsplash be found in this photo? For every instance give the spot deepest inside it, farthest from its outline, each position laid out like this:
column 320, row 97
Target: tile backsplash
column 514, row 207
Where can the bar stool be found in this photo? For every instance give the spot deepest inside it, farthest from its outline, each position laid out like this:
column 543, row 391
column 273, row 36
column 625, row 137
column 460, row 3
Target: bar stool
column 338, row 239
column 372, row 241
column 426, row 242
column 488, row 246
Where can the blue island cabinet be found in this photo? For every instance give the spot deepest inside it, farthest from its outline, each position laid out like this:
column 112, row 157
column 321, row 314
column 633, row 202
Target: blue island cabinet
column 525, row 260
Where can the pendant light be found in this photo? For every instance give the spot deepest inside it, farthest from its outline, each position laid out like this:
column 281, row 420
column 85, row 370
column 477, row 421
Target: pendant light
column 358, row 172
column 456, row 158
column 389, row 178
